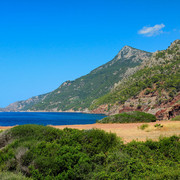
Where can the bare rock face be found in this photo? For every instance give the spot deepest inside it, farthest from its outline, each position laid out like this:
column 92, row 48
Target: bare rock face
column 142, row 102
column 100, row 110
column 24, row 105
column 164, row 56
column 168, row 113
column 128, row 52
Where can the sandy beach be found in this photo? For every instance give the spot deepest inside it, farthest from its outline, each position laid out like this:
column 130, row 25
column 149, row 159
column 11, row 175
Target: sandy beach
column 130, row 131
column 5, row 127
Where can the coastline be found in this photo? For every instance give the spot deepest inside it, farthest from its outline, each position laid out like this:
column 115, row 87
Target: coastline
column 129, row 131
column 84, row 112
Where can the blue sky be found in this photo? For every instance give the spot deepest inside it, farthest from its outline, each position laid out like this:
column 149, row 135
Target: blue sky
column 46, row 42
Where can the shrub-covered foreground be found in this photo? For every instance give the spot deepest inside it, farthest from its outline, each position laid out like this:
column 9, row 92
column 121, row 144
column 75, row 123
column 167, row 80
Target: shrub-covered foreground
column 129, row 117
column 43, row 152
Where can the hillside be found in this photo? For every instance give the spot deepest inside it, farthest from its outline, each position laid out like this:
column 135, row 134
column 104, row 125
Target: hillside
column 154, row 88
column 24, row 105
column 80, row 93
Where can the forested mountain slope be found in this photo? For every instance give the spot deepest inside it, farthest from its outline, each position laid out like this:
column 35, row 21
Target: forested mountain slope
column 80, row 93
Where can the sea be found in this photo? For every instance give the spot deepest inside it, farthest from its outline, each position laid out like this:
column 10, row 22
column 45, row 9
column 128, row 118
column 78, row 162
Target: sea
column 47, row 118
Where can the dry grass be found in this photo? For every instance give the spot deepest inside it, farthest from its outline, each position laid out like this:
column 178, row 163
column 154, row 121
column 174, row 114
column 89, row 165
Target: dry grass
column 131, row 131
column 167, row 127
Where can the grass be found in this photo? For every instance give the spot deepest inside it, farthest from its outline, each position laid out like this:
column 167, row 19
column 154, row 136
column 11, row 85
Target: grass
column 165, row 128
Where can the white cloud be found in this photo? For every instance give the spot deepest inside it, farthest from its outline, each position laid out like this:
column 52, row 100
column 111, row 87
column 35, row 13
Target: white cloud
column 152, row 31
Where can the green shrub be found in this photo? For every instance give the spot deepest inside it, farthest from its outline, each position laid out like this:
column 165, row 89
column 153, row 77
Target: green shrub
column 158, row 125
column 147, row 91
column 139, row 106
column 143, row 126
column 129, row 117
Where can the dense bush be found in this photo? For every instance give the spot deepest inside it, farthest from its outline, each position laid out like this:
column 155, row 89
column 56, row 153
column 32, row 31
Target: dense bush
column 46, row 153
column 40, row 151
column 129, row 117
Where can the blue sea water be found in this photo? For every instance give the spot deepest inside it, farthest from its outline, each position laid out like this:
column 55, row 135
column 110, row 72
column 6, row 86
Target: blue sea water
column 47, row 118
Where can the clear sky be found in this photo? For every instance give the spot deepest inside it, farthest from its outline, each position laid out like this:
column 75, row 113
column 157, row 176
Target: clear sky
column 46, row 42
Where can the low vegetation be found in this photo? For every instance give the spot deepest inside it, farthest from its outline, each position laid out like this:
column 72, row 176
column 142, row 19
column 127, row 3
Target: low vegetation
column 129, row 117
column 143, row 126
column 46, row 153
column 177, row 118
column 158, row 125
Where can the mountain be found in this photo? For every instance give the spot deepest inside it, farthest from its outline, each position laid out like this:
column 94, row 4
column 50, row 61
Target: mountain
column 154, row 88
column 79, row 94
column 24, row 105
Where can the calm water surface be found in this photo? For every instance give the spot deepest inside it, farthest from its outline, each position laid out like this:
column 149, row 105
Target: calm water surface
column 47, row 118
